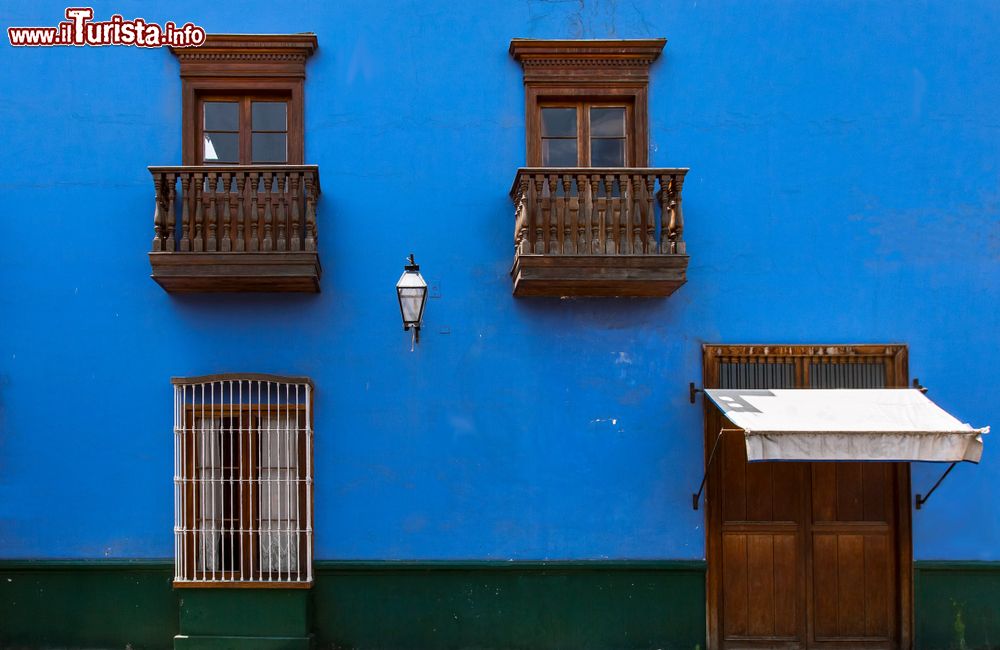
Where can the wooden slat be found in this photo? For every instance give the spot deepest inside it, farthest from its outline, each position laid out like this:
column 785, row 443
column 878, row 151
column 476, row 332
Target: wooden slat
column 787, row 494
column 734, row 478
column 759, row 491
column 735, row 585
column 760, row 582
column 876, row 479
column 878, row 577
column 849, row 492
column 851, row 585
column 826, row 586
column 824, row 491
column 786, row 602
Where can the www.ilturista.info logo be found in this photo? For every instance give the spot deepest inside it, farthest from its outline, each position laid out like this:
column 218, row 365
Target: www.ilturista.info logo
column 79, row 29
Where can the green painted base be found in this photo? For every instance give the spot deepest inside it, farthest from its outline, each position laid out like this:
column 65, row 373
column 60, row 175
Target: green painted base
column 510, row 605
column 87, row 604
column 244, row 612
column 182, row 642
column 269, row 619
column 368, row 605
column 957, row 605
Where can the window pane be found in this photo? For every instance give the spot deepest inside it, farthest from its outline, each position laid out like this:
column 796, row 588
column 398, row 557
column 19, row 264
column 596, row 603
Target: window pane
column 607, row 122
column 559, row 153
column 558, row 122
column 607, row 153
column 222, row 147
column 269, row 116
column 269, row 147
column 222, row 116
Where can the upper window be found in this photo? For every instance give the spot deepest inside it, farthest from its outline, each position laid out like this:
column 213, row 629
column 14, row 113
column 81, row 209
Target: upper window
column 243, row 130
column 586, row 101
column 585, row 134
column 243, row 99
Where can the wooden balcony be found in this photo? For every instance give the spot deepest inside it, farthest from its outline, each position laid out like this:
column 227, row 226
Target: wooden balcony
column 598, row 232
column 236, row 228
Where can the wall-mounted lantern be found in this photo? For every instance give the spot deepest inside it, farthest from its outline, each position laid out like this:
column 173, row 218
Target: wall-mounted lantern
column 412, row 292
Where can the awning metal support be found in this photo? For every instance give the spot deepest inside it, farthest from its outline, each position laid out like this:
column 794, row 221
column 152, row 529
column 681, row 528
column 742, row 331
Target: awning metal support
column 922, row 499
column 695, row 498
column 692, row 391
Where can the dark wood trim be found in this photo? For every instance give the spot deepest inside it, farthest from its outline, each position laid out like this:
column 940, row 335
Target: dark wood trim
column 901, row 379
column 594, row 70
column 564, row 171
column 248, row 55
column 245, row 64
column 637, row 132
column 298, row 272
column 636, row 276
column 195, row 91
column 294, row 141
column 583, row 136
column 593, row 61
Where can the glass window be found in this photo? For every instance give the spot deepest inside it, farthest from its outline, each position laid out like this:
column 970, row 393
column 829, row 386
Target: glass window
column 584, row 135
column 270, row 116
column 607, row 137
column 221, row 132
column 269, row 139
column 559, row 137
column 270, row 147
column 243, row 131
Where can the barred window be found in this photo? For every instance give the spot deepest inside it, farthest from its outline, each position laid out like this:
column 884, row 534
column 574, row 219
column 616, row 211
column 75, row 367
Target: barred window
column 243, row 480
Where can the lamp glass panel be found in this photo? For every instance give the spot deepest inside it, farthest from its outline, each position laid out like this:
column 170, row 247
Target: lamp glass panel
column 411, row 301
column 412, row 291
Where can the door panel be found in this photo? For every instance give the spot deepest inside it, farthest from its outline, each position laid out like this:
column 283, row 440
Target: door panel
column 761, row 583
column 804, row 555
column 851, row 584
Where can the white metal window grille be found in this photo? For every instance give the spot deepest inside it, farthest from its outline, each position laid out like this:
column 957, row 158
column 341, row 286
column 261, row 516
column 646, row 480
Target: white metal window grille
column 243, row 480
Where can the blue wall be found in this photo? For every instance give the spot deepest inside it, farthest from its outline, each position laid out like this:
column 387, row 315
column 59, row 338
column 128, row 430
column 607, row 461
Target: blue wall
column 843, row 188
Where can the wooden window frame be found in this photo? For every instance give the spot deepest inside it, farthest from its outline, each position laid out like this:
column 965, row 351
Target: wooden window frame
column 599, row 71
column 293, row 142
column 896, row 360
column 583, row 136
column 245, row 65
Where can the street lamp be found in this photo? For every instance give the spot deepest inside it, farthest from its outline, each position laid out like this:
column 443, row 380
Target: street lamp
column 412, row 292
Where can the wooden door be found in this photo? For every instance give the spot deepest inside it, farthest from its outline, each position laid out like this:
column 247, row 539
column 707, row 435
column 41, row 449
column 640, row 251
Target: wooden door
column 805, row 555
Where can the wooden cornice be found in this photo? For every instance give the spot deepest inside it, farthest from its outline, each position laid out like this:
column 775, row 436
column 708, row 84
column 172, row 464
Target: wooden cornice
column 601, row 61
column 248, row 55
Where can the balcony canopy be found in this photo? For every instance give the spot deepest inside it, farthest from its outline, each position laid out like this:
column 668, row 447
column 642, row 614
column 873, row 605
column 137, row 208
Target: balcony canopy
column 847, row 425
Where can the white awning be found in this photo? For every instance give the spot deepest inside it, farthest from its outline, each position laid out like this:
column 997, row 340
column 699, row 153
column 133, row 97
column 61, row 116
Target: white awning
column 886, row 424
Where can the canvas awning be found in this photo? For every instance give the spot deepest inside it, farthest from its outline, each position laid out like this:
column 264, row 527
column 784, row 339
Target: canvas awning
column 885, row 424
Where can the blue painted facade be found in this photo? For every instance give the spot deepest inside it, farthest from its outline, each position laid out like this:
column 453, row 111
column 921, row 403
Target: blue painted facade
column 843, row 188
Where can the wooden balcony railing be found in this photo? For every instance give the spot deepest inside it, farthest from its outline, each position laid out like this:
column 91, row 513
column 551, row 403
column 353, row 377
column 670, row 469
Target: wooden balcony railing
column 236, row 228
column 598, row 232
